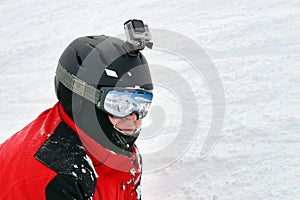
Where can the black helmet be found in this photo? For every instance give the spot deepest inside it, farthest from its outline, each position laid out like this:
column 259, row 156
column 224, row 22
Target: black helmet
column 93, row 62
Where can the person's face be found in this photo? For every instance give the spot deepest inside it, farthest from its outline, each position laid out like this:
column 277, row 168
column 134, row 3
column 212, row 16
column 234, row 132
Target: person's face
column 127, row 124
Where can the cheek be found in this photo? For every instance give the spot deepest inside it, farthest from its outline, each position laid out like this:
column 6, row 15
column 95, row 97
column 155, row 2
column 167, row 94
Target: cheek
column 113, row 120
column 138, row 123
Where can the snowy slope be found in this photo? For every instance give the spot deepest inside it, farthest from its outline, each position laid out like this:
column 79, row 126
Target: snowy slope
column 255, row 47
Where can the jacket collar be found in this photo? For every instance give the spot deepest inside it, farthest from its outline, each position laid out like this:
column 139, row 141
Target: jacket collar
column 98, row 154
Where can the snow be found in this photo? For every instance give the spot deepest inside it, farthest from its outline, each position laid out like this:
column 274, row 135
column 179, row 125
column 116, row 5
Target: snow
column 254, row 46
column 88, row 159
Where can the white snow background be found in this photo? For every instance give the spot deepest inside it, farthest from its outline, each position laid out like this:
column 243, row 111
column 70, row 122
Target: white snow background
column 255, row 46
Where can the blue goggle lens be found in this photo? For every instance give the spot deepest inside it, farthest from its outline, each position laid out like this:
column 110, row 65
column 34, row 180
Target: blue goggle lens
column 122, row 103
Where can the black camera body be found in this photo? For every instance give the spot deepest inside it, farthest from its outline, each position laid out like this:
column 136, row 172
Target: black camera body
column 138, row 34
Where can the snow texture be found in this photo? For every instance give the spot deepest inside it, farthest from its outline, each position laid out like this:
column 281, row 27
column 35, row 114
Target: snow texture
column 255, row 46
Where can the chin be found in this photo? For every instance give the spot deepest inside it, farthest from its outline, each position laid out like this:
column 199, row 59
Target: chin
column 128, row 132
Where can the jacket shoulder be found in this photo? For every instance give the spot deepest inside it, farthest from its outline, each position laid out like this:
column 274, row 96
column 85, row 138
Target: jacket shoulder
column 64, row 153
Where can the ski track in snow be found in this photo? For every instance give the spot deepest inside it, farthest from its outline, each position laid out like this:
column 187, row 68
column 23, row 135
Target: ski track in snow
column 255, row 46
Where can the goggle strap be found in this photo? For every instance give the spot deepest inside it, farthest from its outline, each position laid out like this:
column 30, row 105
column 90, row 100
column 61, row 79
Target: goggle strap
column 77, row 86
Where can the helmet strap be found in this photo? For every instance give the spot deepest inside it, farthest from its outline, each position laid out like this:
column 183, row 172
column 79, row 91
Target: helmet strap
column 77, row 86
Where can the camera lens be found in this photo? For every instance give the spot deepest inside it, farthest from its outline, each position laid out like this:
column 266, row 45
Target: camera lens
column 138, row 26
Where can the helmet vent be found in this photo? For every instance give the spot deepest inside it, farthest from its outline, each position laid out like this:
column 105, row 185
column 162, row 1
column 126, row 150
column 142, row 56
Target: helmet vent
column 98, row 51
column 79, row 61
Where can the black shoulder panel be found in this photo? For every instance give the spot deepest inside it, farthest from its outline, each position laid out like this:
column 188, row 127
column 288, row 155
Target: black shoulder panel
column 64, row 153
column 64, row 187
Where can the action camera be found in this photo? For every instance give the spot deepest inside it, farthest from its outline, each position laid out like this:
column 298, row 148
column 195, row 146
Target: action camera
column 138, row 34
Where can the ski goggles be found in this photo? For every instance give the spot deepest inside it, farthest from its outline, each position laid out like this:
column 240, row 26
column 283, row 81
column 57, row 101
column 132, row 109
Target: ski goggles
column 122, row 102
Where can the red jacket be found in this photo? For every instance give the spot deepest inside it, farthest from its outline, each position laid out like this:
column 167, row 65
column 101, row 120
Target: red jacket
column 47, row 160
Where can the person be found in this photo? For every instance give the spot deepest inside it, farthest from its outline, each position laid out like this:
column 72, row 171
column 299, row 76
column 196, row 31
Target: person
column 84, row 146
